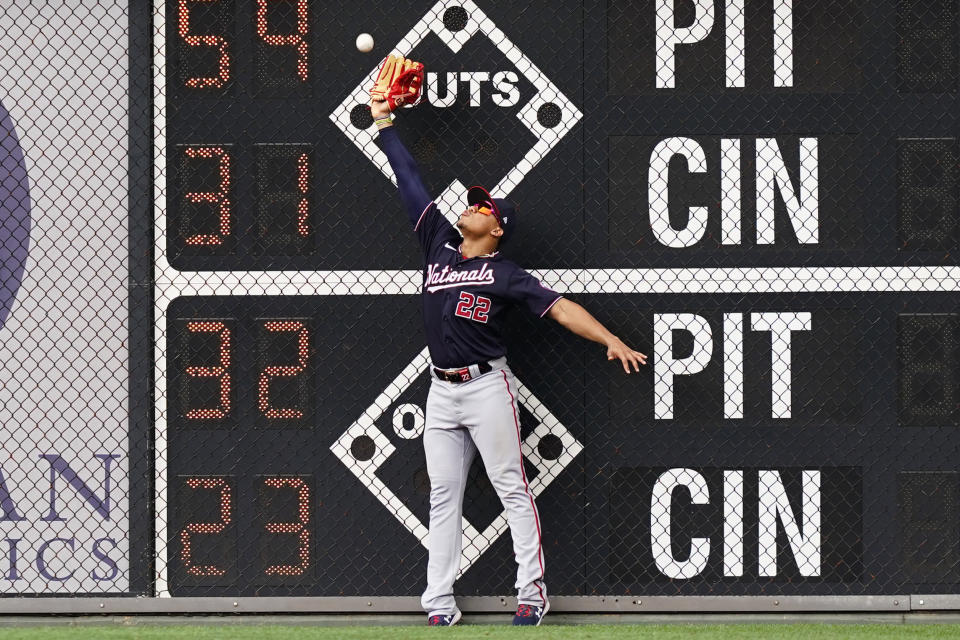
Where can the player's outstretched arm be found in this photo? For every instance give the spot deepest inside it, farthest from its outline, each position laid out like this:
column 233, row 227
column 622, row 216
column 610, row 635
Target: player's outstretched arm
column 412, row 190
column 379, row 108
column 578, row 320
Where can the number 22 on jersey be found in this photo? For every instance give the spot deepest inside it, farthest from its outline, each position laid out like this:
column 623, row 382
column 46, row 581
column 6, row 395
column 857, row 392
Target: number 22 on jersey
column 473, row 307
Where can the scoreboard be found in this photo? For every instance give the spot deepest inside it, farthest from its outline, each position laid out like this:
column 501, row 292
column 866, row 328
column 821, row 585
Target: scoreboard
column 760, row 195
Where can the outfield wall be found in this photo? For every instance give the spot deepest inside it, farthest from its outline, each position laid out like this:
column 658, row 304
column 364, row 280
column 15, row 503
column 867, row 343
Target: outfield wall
column 216, row 367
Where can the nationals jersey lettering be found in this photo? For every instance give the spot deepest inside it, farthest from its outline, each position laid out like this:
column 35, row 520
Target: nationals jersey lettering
column 444, row 278
column 461, row 330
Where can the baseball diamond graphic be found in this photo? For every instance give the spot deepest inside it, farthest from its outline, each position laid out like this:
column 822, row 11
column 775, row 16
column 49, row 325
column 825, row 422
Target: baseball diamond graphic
column 14, row 214
column 549, row 115
column 365, row 466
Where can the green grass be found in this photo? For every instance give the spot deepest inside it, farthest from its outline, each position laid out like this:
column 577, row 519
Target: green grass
column 491, row 632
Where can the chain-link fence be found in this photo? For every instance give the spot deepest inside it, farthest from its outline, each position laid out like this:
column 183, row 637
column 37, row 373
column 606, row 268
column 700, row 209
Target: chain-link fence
column 761, row 196
column 761, row 189
column 71, row 475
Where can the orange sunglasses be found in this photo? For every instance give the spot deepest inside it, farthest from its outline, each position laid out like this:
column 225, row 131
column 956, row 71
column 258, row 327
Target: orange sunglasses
column 487, row 211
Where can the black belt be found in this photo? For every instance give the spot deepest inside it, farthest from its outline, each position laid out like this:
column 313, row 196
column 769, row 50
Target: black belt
column 461, row 375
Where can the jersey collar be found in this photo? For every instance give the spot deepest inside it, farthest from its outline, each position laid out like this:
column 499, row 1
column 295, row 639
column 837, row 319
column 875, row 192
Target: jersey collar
column 459, row 251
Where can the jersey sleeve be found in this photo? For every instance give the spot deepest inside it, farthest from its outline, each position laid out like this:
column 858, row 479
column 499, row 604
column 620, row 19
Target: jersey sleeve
column 433, row 230
column 525, row 288
column 426, row 220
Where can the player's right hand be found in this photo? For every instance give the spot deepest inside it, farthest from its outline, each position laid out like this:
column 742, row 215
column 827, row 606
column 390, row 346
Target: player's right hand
column 399, row 82
column 379, row 107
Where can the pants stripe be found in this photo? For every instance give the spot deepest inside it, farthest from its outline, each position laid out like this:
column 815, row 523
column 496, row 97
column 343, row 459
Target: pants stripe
column 526, row 486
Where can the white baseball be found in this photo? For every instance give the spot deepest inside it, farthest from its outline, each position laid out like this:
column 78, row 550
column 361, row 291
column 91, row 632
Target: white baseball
column 365, row 42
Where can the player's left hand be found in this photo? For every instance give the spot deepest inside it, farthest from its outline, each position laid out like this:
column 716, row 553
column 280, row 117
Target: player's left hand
column 616, row 350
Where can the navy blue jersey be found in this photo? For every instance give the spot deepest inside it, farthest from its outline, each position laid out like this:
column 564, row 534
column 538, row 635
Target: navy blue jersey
column 464, row 300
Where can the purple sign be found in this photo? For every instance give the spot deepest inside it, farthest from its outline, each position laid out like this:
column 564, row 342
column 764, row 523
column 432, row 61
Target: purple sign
column 14, row 214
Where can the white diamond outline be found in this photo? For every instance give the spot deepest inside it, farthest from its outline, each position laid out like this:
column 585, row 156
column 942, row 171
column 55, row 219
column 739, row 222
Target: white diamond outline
column 474, row 542
column 454, row 198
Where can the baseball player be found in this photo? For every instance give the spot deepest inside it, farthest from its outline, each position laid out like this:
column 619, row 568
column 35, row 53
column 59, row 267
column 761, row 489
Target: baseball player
column 472, row 403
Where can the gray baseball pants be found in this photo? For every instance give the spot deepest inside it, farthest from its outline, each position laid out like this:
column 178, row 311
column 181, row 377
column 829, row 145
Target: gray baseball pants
column 462, row 419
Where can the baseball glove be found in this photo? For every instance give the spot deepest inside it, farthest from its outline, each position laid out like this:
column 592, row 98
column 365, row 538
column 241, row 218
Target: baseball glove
column 399, row 83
